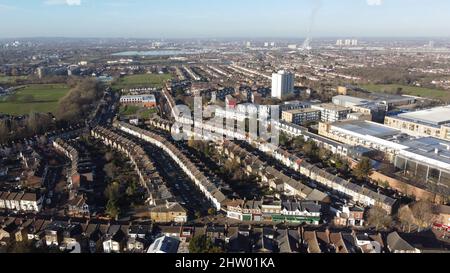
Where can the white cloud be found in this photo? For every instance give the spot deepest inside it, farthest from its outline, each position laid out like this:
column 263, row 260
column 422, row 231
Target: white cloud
column 374, row 2
column 63, row 2
column 6, row 7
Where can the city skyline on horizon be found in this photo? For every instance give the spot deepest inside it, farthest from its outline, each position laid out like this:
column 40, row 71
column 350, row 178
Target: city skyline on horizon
column 176, row 19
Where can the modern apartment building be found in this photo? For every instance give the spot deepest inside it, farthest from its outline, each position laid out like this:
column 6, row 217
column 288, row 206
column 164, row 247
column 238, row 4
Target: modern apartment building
column 282, row 84
column 331, row 113
column 148, row 101
column 301, row 116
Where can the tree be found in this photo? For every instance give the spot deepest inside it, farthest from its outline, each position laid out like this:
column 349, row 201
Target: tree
column 78, row 102
column 110, row 169
column 406, row 217
column 310, row 149
column 341, row 165
column 112, row 208
column 211, row 211
column 192, row 142
column 284, row 140
column 378, row 218
column 21, row 247
column 363, row 169
column 324, row 154
column 4, row 131
column 198, row 214
column 109, row 156
column 131, row 189
column 423, row 213
column 298, row 142
column 43, row 140
column 202, row 244
column 113, row 191
column 35, row 123
column 179, row 92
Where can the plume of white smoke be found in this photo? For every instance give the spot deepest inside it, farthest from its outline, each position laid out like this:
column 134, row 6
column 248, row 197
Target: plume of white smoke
column 312, row 20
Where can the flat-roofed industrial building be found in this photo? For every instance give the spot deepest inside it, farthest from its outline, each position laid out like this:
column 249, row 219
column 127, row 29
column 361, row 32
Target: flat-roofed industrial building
column 426, row 160
column 423, row 160
column 364, row 133
column 433, row 122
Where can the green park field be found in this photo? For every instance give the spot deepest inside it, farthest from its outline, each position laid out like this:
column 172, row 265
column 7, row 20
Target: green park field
column 137, row 111
column 41, row 98
column 11, row 79
column 141, row 81
column 409, row 90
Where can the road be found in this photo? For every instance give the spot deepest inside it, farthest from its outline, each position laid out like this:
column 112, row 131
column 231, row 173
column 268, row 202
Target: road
column 181, row 186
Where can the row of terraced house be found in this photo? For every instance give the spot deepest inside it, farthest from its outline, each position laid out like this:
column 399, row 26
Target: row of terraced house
column 270, row 176
column 281, row 182
column 164, row 208
column 273, row 210
column 356, row 193
column 206, row 185
column 21, row 201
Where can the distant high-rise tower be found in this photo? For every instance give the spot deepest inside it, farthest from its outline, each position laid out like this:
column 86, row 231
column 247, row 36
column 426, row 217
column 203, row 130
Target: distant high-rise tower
column 40, row 72
column 266, row 44
column 339, row 43
column 282, row 84
column 354, row 42
column 348, row 42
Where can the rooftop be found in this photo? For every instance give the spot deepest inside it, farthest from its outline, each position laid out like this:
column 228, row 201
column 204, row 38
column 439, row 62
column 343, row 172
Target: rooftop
column 430, row 147
column 330, row 106
column 143, row 97
column 299, row 111
column 389, row 98
column 368, row 128
column 349, row 101
column 435, row 116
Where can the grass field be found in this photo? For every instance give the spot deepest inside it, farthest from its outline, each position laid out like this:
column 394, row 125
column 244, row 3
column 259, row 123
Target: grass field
column 11, row 79
column 131, row 110
column 34, row 98
column 409, row 90
column 144, row 80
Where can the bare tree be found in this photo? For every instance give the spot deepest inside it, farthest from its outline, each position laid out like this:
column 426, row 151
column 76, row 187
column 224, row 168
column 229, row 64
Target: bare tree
column 378, row 218
column 423, row 213
column 43, row 140
column 4, row 131
column 406, row 217
column 109, row 156
column 364, row 169
column 110, row 169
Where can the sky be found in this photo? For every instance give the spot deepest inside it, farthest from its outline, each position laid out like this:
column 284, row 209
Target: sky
column 224, row 18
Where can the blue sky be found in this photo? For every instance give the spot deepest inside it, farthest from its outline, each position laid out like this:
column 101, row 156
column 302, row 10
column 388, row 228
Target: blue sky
column 223, row 18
